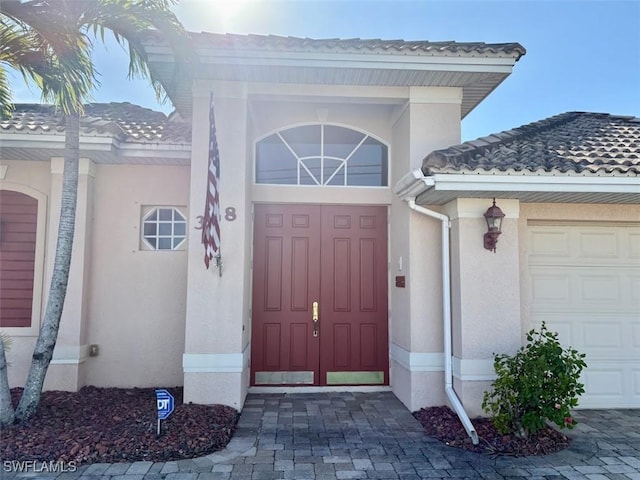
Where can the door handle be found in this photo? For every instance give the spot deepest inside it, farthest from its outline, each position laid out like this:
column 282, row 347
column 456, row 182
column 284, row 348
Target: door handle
column 315, row 319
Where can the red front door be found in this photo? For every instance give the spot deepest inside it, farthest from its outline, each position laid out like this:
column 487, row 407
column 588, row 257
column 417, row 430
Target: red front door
column 336, row 258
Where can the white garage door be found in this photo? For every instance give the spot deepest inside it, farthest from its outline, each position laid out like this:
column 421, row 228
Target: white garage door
column 585, row 283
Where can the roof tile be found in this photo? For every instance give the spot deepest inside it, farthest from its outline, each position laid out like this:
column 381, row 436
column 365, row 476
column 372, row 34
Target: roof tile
column 276, row 42
column 572, row 143
column 129, row 122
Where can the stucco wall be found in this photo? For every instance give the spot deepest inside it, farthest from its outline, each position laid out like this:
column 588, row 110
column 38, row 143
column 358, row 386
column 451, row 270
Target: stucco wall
column 217, row 311
column 430, row 120
column 137, row 296
column 485, row 296
column 34, row 174
column 127, row 300
column 491, row 293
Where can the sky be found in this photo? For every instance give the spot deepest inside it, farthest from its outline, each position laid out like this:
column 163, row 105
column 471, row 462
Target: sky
column 581, row 55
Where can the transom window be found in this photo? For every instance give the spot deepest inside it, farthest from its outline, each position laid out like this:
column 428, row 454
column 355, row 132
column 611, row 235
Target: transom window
column 321, row 155
column 164, row 228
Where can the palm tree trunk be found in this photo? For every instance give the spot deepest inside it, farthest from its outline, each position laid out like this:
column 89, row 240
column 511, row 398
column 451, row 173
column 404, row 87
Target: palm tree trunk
column 43, row 351
column 7, row 415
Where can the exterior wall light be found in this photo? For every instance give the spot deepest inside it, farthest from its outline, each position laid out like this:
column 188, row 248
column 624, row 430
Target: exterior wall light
column 494, row 217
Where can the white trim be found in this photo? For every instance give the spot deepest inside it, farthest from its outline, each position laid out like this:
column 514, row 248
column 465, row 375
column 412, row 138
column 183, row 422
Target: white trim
column 57, row 165
column 70, row 355
column 435, row 95
column 376, row 61
column 27, row 140
column 3, row 171
column 225, row 89
column 415, row 183
column 343, row 94
column 476, row 207
column 535, row 183
column 215, row 362
column 145, row 238
column 417, row 361
column 104, row 150
column 85, row 166
column 473, row 370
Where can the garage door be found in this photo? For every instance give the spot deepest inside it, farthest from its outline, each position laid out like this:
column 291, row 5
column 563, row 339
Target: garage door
column 585, row 283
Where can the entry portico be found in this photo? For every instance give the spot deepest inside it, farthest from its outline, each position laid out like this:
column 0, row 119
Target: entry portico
column 404, row 99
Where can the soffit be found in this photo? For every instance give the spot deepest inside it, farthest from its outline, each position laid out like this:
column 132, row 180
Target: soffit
column 476, row 67
column 440, row 197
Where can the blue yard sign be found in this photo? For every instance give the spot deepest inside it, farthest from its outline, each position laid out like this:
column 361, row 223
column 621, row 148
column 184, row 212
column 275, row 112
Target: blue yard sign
column 165, row 403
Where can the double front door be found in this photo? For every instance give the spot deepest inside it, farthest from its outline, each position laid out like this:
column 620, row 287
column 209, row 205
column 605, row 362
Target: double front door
column 320, row 295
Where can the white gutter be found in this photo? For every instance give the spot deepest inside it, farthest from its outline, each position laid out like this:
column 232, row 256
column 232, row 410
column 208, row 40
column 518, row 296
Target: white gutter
column 446, row 318
column 534, row 183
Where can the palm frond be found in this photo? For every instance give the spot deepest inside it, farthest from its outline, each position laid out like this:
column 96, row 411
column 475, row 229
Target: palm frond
column 58, row 56
column 128, row 20
column 6, row 105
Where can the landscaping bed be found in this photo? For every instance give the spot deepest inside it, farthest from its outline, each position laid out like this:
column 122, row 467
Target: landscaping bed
column 443, row 424
column 115, row 425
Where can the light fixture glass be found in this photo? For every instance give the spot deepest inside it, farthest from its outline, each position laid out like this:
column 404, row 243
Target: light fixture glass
column 493, row 217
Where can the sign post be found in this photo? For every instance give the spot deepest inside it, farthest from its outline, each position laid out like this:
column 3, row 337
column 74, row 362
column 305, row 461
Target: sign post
column 164, row 404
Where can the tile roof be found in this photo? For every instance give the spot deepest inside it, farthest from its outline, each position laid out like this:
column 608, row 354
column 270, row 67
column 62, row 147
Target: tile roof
column 476, row 67
column 276, row 42
column 130, row 123
column 573, row 143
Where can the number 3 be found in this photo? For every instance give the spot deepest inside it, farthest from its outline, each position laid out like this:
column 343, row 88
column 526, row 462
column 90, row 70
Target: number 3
column 230, row 214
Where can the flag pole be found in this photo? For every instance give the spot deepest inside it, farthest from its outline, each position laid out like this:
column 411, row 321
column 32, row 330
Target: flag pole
column 219, row 262
column 211, row 217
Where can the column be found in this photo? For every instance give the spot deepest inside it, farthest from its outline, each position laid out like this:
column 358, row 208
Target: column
column 216, row 358
column 485, row 296
column 66, row 371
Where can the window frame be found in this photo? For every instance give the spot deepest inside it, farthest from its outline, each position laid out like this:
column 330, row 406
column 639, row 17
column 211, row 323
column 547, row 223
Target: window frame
column 324, row 183
column 145, row 243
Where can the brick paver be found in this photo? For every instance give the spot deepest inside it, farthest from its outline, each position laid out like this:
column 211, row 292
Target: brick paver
column 330, row 436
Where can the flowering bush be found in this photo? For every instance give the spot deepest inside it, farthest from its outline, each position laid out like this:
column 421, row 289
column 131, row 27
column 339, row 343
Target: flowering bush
column 539, row 383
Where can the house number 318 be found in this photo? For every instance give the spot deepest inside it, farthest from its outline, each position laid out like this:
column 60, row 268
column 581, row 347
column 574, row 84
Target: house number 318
column 230, row 214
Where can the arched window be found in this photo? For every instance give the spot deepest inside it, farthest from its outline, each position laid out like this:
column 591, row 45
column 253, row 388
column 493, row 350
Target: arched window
column 321, row 155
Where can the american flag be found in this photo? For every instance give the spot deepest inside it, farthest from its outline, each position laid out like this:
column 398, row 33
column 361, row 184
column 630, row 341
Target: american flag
column 211, row 217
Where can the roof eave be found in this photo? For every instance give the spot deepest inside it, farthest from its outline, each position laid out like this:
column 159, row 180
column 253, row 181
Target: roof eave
column 439, row 189
column 100, row 149
column 478, row 74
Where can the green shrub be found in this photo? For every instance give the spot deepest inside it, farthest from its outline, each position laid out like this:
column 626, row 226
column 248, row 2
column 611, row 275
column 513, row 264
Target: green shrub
column 539, row 383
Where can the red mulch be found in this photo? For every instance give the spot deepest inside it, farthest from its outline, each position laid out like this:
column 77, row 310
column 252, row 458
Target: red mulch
column 115, row 425
column 443, row 424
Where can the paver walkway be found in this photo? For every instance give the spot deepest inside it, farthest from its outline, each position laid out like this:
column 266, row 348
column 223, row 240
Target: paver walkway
column 373, row 436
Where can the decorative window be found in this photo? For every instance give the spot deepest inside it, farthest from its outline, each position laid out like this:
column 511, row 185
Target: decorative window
column 164, row 228
column 321, row 155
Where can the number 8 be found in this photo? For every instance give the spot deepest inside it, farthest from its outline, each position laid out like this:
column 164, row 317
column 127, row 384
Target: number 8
column 230, row 214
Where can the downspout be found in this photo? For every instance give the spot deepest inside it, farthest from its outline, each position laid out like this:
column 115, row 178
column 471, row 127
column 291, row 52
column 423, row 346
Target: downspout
column 446, row 318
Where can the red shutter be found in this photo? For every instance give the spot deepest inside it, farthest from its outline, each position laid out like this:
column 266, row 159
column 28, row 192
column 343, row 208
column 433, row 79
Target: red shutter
column 18, row 221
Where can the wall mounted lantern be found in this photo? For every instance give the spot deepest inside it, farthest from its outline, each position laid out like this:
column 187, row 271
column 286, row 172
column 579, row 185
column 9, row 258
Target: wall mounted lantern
column 494, row 217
